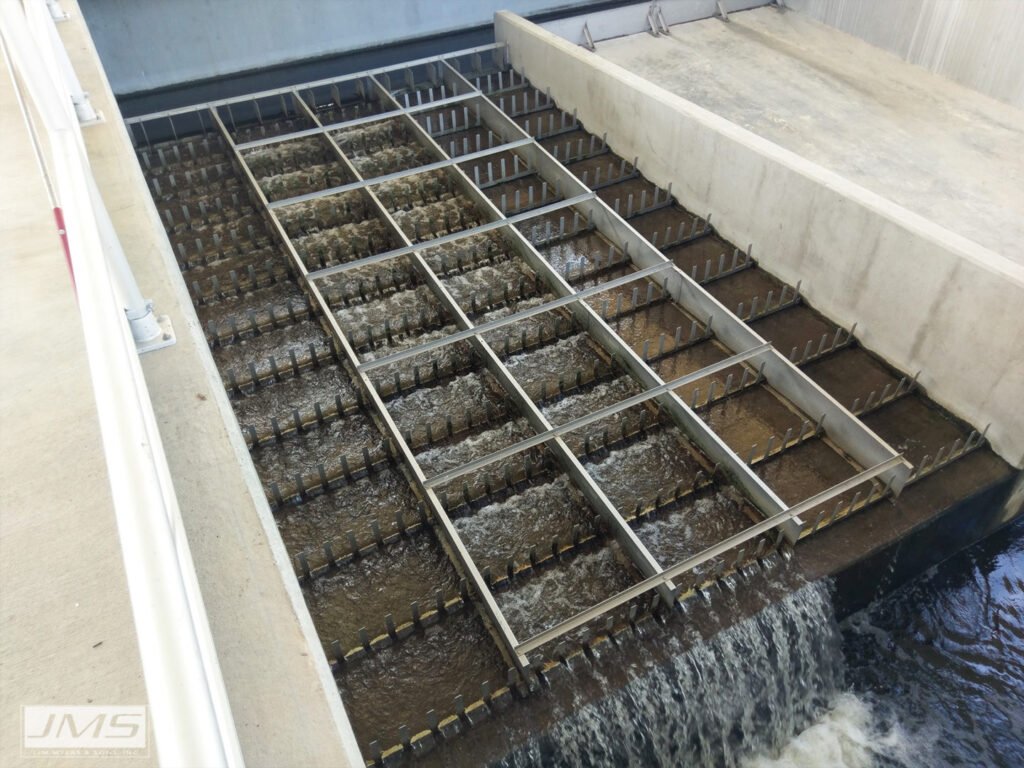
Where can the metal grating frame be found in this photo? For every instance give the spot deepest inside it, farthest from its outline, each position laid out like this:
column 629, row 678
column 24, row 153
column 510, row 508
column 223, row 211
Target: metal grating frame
column 427, row 85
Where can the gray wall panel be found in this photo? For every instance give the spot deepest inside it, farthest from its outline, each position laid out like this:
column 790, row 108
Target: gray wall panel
column 977, row 43
column 149, row 44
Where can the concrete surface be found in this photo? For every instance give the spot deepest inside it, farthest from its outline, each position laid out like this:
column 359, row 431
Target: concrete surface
column 976, row 43
column 925, row 297
column 67, row 635
column 62, row 575
column 147, row 44
column 934, row 147
column 619, row 20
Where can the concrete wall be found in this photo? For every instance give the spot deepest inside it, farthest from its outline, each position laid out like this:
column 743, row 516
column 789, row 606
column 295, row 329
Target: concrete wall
column 924, row 297
column 147, row 44
column 977, row 43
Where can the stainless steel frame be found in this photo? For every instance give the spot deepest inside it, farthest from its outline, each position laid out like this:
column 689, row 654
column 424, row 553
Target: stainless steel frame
column 731, row 333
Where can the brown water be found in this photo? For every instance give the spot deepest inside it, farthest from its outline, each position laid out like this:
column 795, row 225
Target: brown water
column 280, row 398
column 288, row 156
column 567, row 355
column 301, row 454
column 550, row 507
column 427, row 671
column 362, row 592
column 351, row 507
column 693, row 524
column 558, row 592
column 276, row 343
column 643, row 469
column 474, row 391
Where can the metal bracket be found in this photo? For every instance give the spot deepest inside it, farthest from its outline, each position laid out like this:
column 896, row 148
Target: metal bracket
column 56, row 12
column 659, row 19
column 149, row 331
column 93, row 116
column 722, row 13
column 166, row 338
column 588, row 40
column 653, row 24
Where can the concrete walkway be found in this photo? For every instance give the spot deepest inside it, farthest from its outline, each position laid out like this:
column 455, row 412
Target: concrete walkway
column 67, row 633
column 941, row 150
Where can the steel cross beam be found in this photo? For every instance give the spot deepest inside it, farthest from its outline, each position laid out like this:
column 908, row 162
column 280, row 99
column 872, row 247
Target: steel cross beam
column 594, row 416
column 855, row 438
column 503, row 635
column 842, row 428
column 489, row 607
column 710, row 553
column 354, row 185
column 210, row 105
column 695, row 428
column 489, row 226
column 511, row 319
column 627, row 538
column 355, row 122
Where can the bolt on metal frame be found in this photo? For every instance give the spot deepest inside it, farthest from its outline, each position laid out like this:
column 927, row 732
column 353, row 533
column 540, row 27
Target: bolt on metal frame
column 858, row 442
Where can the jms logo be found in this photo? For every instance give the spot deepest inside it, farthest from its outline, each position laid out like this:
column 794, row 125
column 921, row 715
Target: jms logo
column 85, row 730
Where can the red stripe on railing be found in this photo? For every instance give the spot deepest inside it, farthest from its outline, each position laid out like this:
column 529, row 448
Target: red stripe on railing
column 58, row 214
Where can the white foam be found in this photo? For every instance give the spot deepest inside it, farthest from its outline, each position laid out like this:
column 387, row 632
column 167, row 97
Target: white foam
column 845, row 736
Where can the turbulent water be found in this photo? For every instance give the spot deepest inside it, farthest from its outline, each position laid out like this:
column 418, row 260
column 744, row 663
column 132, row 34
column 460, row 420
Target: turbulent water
column 845, row 735
column 932, row 675
column 757, row 682
column 942, row 660
column 934, row 672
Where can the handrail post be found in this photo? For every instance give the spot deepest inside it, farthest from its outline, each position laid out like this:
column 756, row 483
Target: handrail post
column 56, row 12
column 149, row 331
column 84, row 110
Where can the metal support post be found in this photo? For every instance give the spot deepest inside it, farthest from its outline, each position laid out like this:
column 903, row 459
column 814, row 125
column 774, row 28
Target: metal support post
column 44, row 22
column 149, row 331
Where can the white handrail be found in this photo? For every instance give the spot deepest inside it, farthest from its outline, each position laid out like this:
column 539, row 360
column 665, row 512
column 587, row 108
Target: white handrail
column 191, row 715
column 150, row 333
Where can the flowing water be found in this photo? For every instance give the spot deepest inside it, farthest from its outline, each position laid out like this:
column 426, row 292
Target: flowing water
column 934, row 672
column 754, row 683
column 941, row 661
column 505, row 530
column 931, row 675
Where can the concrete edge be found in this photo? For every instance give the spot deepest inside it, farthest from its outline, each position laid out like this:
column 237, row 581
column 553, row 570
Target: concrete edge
column 236, row 440
column 975, row 378
column 954, row 528
column 919, row 225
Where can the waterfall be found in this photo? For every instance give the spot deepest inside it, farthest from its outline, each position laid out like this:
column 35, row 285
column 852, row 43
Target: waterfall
column 745, row 691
